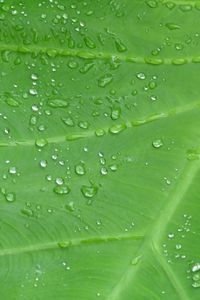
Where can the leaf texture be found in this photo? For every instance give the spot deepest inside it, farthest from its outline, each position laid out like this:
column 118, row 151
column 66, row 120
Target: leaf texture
column 99, row 150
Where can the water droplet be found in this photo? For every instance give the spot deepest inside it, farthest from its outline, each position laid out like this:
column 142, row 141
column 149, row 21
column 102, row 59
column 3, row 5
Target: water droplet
column 99, row 132
column 179, row 61
column 152, row 85
column 117, row 128
column 178, row 46
column 34, row 77
column 33, row 120
column 72, row 64
column 185, row 7
column 33, row 92
column 83, row 124
column 62, row 190
column 10, row 197
column 89, row 191
column 86, row 67
column 196, row 267
column 59, row 181
column 80, row 169
column 140, row 76
column 12, row 102
column 134, row 92
column 70, row 206
column 152, row 3
column 12, row 170
column 196, row 284
column 178, row 246
column 64, row 244
column 57, row 103
column 115, row 113
column 196, row 277
column 28, row 212
column 157, row 143
column 172, row 26
column 120, row 46
column 105, row 80
column 68, row 121
column 41, row 143
column 104, row 171
column 43, row 163
column 89, row 42
column 171, row 235
column 113, row 167
column 170, row 5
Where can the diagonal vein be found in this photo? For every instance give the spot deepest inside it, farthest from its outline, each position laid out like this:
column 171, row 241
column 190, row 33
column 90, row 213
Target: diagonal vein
column 69, row 243
column 129, row 124
column 153, row 237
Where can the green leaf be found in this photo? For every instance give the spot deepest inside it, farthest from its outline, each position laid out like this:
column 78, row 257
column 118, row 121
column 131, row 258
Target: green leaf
column 99, row 150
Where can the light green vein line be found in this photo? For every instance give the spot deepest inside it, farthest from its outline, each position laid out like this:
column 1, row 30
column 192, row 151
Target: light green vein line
column 155, row 233
column 65, row 244
column 182, row 2
column 129, row 124
column 167, row 268
column 52, row 52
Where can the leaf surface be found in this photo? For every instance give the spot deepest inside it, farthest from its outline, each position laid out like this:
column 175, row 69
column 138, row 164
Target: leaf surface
column 99, row 150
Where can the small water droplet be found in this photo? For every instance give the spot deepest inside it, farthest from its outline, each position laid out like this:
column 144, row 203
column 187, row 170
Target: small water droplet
column 89, row 191
column 105, row 80
column 57, row 103
column 152, row 3
column 12, row 170
column 41, row 142
column 117, row 128
column 62, row 190
column 10, row 197
column 43, row 163
column 172, row 26
column 68, row 121
column 104, row 171
column 140, row 76
column 115, row 113
column 157, row 143
column 120, row 45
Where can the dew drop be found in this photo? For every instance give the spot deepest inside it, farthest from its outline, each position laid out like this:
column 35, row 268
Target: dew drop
column 62, row 190
column 104, row 171
column 120, row 46
column 99, row 132
column 105, row 80
column 89, row 191
column 157, row 143
column 172, row 26
column 10, row 197
column 12, row 170
column 43, row 163
column 117, row 128
column 115, row 113
column 68, row 121
column 41, row 143
column 140, row 76
column 12, row 102
column 80, row 169
column 57, row 103
column 152, row 3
